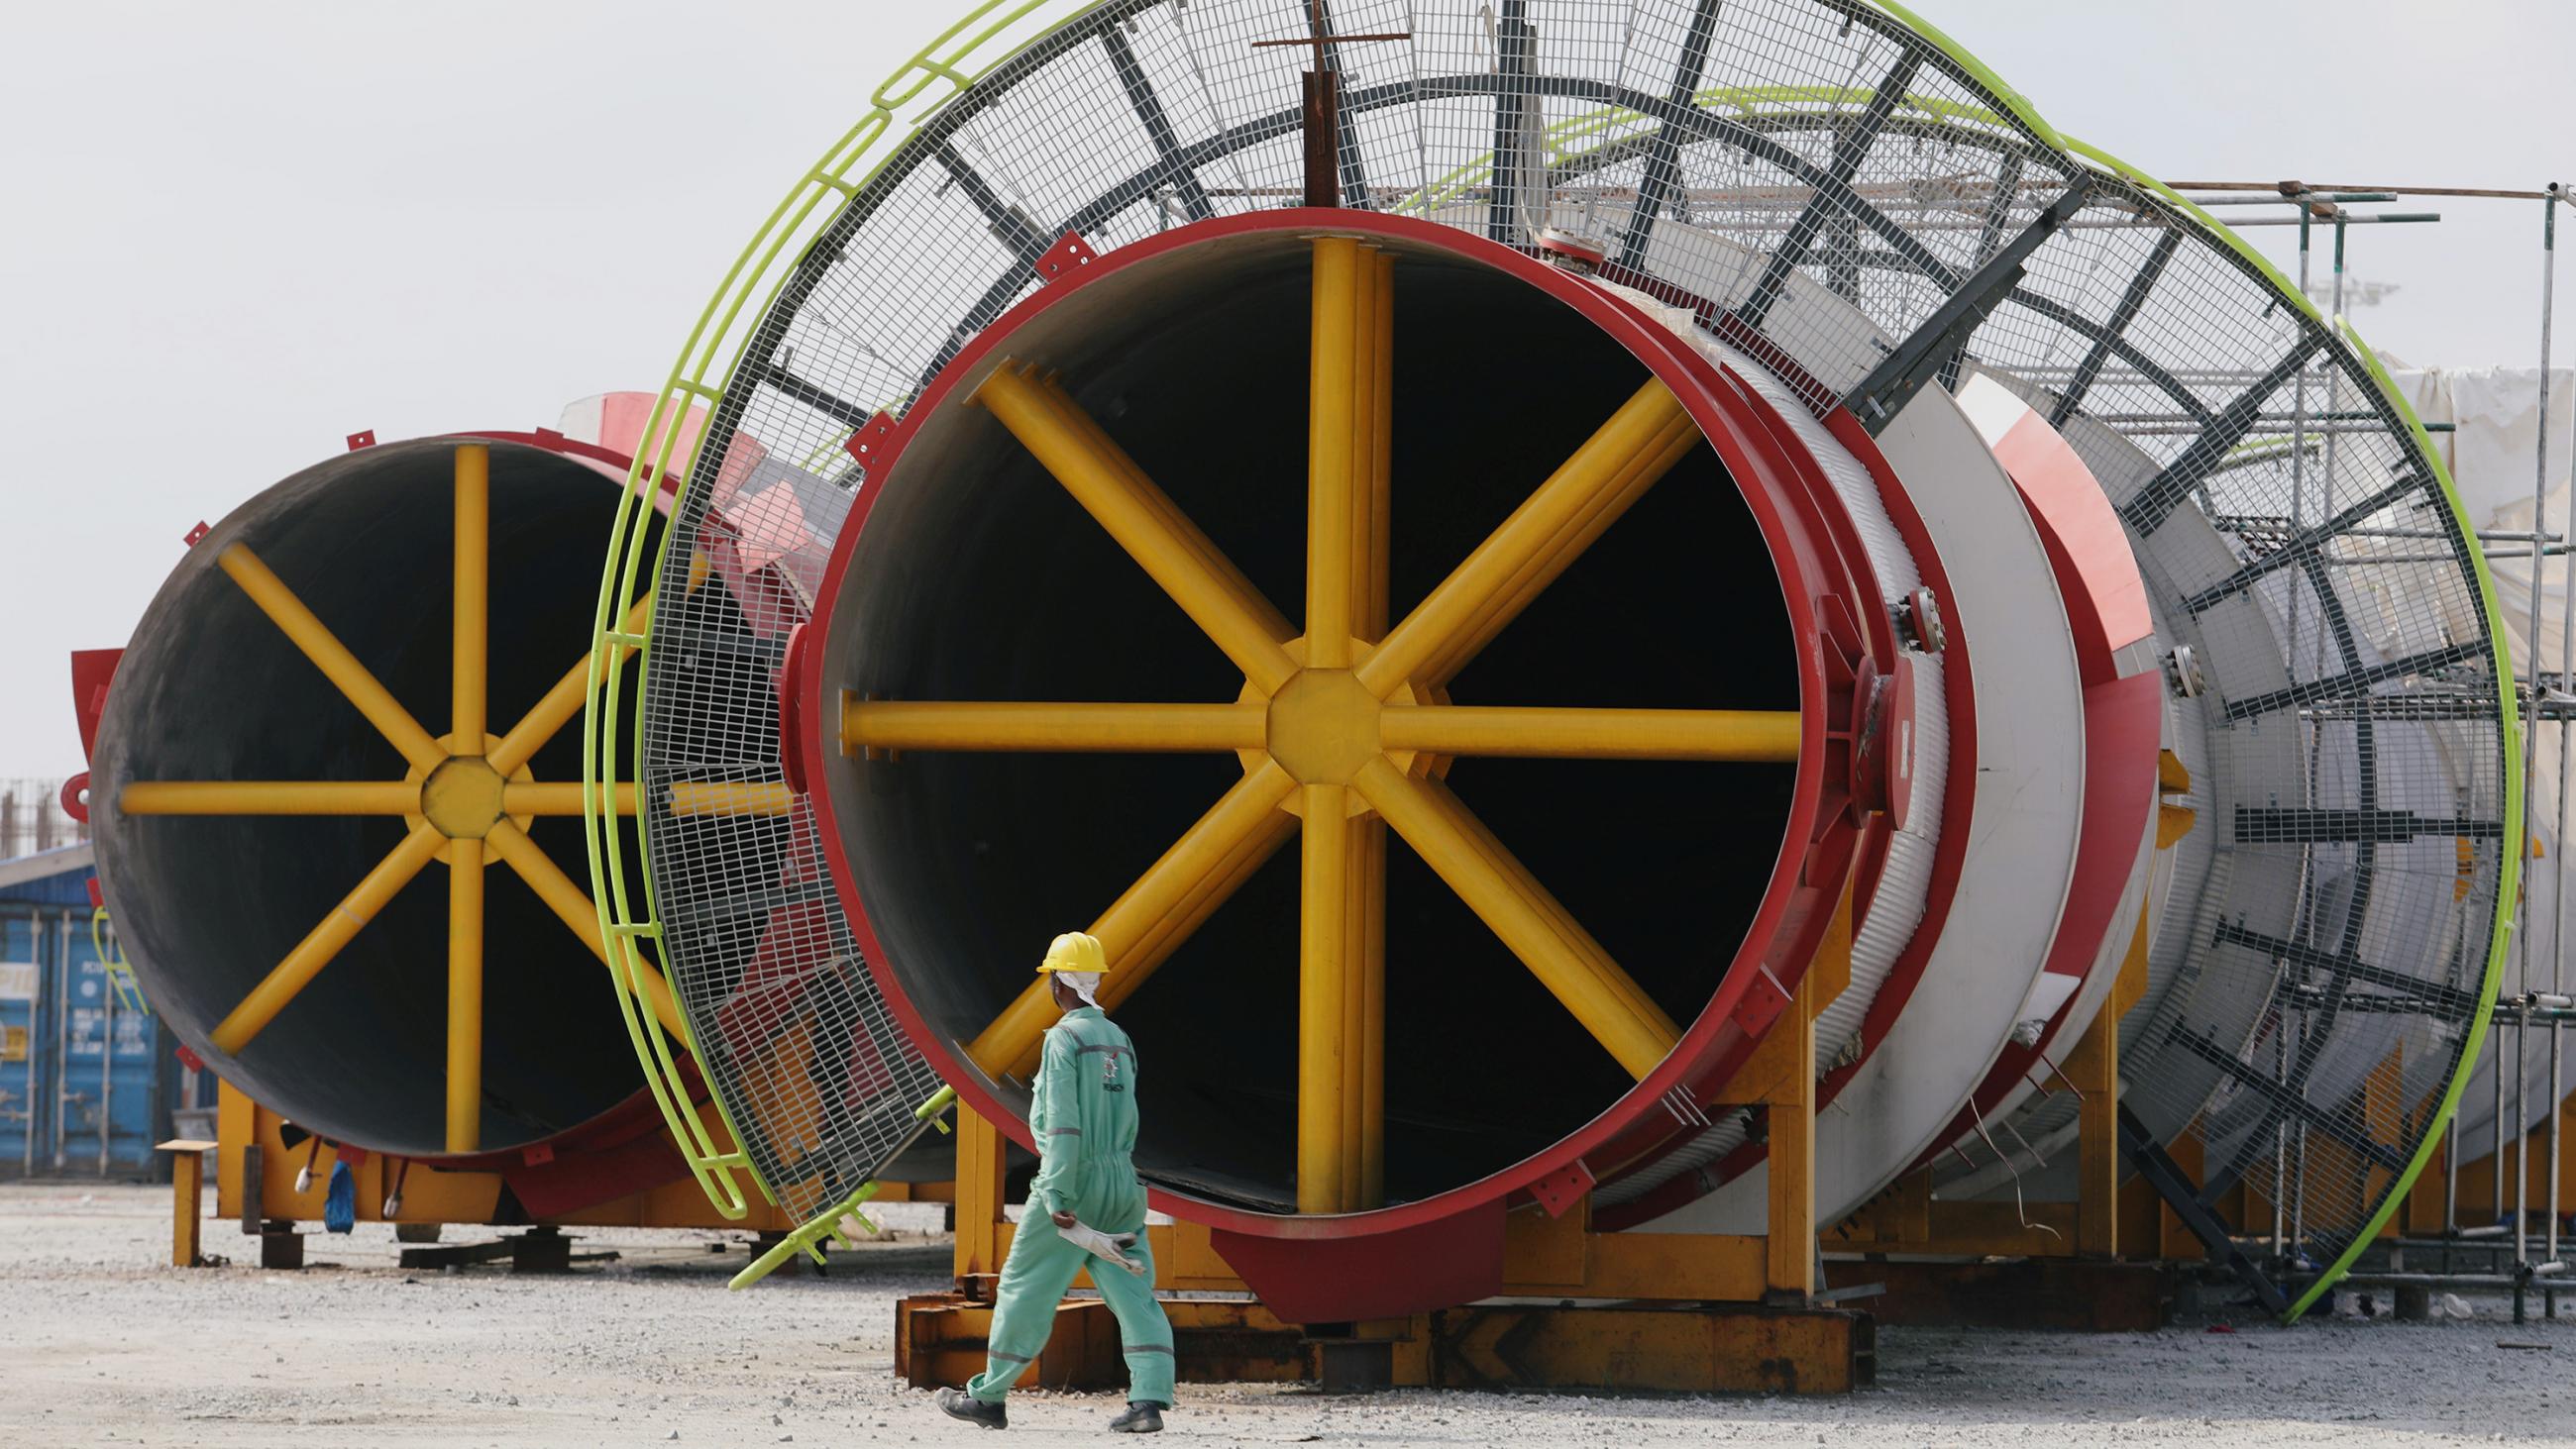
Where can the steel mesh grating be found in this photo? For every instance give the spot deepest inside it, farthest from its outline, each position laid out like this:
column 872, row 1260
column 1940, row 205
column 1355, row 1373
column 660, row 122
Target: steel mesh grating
column 2324, row 984
column 1821, row 179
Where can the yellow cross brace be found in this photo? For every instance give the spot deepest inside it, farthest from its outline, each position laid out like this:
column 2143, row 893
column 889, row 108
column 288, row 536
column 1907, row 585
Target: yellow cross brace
column 1332, row 720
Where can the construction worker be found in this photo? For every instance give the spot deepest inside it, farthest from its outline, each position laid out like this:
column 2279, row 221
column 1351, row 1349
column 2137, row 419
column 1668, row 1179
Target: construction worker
column 1084, row 1120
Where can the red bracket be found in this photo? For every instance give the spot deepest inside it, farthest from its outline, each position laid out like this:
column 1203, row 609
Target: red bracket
column 93, row 670
column 75, row 799
column 791, row 709
column 1069, row 255
column 1882, row 760
column 1763, row 1000
column 1869, row 723
column 192, row 535
column 863, row 444
column 363, row 438
column 1562, row 1189
column 537, row 1154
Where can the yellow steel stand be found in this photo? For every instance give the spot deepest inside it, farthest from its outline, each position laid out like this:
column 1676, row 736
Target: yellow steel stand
column 2107, row 1214
column 1780, row 1078
column 982, row 1159
column 1753, row 1328
column 1908, row 1219
column 255, row 1175
column 2034, row 1264
column 187, row 1198
column 2093, row 1069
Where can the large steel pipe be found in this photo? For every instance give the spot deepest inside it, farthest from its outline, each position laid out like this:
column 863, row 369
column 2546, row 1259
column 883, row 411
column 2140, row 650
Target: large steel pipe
column 324, row 786
column 1058, row 376
column 1048, row 685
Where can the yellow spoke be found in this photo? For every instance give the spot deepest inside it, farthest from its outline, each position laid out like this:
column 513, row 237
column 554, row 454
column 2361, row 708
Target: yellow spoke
column 1532, row 579
column 720, row 797
column 465, row 1000
column 473, row 563
column 1169, row 932
column 1252, row 600
column 1323, row 989
column 1116, row 497
column 291, row 975
column 563, row 701
column 329, row 655
column 1206, row 853
column 1109, row 728
column 688, row 797
column 1463, row 822
column 269, row 797
column 1364, row 1022
column 1503, row 894
column 1364, row 1004
column 1373, row 473
column 1595, row 471
column 1334, row 370
column 1602, row 734
column 573, row 907
column 562, row 797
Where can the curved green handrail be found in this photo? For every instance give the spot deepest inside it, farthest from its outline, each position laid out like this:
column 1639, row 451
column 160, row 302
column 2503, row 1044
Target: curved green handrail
column 2509, row 883
column 112, row 960
column 808, row 1237
column 1976, row 72
column 986, row 37
column 2509, row 744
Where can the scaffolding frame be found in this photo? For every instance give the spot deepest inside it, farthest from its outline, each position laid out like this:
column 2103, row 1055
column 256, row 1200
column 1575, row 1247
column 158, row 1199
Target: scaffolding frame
column 2508, row 1242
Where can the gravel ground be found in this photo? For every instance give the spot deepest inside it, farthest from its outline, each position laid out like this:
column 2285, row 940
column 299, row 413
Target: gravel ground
column 100, row 1343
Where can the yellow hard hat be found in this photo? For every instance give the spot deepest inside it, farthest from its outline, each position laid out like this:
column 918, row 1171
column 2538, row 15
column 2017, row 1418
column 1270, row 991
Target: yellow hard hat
column 1075, row 951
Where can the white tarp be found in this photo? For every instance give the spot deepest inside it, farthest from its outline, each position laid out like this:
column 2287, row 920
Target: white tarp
column 2493, row 454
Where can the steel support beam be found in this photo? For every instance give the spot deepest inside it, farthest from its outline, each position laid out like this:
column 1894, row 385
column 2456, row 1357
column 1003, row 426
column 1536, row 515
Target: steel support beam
column 1158, row 125
column 2354, row 682
column 1515, row 41
column 1850, row 148
column 2182, row 1195
column 2309, row 958
column 2131, row 299
column 2156, row 502
column 2270, row 825
column 1934, row 348
column 1009, row 225
column 2299, row 547
column 1663, row 170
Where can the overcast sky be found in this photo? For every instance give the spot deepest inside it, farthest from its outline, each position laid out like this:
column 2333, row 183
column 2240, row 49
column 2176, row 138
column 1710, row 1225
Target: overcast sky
column 231, row 233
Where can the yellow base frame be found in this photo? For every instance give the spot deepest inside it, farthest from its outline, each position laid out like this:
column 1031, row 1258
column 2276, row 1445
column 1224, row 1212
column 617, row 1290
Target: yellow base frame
column 1758, row 1330
column 436, row 1195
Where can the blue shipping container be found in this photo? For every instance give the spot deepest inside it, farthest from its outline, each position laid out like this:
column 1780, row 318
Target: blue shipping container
column 86, row 1078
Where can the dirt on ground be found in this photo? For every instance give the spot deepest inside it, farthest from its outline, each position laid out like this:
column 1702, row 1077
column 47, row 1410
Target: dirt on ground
column 101, row 1342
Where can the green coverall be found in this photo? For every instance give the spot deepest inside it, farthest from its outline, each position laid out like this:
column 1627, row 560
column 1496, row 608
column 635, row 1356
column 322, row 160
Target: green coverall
column 1084, row 1120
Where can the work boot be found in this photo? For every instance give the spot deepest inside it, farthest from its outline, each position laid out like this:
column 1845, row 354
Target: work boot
column 1144, row 1418
column 957, row 1405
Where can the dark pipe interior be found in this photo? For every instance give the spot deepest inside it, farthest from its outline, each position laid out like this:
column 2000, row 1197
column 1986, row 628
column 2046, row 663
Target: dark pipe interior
column 978, row 577
column 210, row 690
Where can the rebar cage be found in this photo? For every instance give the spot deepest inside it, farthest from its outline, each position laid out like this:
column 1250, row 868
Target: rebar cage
column 1824, row 179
